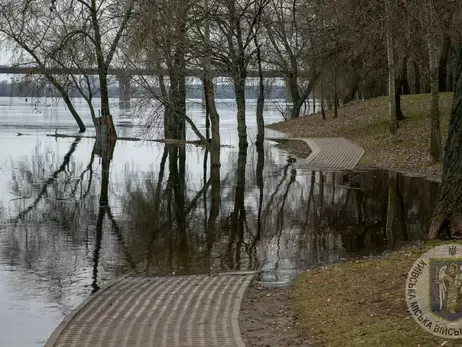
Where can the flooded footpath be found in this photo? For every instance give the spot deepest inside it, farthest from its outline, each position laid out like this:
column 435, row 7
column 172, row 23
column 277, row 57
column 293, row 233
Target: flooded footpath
column 72, row 221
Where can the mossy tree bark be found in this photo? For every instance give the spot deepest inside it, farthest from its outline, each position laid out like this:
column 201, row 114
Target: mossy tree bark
column 447, row 216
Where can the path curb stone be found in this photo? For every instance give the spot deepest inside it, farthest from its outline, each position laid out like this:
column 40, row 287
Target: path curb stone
column 175, row 311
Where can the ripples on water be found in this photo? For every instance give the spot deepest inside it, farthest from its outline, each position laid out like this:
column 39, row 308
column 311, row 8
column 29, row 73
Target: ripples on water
column 70, row 222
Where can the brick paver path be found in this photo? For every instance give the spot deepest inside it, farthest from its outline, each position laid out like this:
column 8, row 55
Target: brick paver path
column 173, row 311
column 333, row 153
column 330, row 153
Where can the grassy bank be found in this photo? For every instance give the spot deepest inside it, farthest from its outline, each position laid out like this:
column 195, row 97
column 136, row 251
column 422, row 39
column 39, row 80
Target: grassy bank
column 362, row 303
column 366, row 124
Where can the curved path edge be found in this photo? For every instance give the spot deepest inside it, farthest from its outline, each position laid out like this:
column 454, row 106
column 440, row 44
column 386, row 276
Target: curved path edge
column 125, row 304
column 69, row 317
column 237, row 309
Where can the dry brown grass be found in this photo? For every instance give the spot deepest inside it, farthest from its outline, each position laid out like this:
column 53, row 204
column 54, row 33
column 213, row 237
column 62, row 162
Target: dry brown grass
column 362, row 303
column 366, row 124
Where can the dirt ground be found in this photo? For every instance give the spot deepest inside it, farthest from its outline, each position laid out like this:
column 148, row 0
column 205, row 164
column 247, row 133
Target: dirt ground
column 267, row 319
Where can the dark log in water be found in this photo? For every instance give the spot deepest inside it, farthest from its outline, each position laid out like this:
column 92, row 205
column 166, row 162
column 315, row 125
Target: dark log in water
column 167, row 141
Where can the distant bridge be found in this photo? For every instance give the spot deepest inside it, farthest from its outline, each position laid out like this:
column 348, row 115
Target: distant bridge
column 124, row 76
column 28, row 70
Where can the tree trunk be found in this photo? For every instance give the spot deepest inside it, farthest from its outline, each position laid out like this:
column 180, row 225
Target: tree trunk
column 104, row 126
column 401, row 87
column 443, row 64
column 214, row 120
column 417, row 86
column 260, row 99
column 211, row 108
column 314, row 101
column 175, row 124
column 67, row 101
column 391, row 74
column 176, row 102
column 215, row 203
column 239, row 88
column 105, row 111
column 406, row 88
column 207, row 117
column 399, row 112
column 435, row 137
column 323, row 112
column 353, row 88
column 297, row 98
column 292, row 80
column 447, row 217
column 335, row 92
column 73, row 111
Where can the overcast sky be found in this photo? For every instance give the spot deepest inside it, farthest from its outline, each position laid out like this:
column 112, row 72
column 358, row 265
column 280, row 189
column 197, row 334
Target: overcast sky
column 4, row 58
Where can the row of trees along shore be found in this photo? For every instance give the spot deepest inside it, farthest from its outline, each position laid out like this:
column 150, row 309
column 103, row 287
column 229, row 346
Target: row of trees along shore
column 333, row 50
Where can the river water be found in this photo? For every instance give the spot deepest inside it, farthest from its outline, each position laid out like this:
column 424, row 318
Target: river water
column 70, row 222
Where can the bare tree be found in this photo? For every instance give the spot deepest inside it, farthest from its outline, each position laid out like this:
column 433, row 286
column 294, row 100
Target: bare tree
column 162, row 41
column 289, row 30
column 234, row 25
column 65, row 36
column 27, row 34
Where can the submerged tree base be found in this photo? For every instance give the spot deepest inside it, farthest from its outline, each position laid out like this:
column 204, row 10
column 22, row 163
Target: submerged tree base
column 167, row 141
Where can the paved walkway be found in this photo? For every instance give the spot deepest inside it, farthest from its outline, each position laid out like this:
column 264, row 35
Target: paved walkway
column 329, row 153
column 173, row 311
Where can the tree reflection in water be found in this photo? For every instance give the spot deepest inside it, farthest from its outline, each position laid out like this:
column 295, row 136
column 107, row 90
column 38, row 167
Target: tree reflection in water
column 258, row 214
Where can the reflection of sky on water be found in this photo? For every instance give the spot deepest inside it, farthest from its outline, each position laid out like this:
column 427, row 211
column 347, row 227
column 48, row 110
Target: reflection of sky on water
column 46, row 262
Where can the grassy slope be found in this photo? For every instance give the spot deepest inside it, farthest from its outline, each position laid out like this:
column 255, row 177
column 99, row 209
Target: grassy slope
column 362, row 303
column 366, row 124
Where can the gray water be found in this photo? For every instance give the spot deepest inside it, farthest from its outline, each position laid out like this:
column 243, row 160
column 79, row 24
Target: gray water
column 67, row 228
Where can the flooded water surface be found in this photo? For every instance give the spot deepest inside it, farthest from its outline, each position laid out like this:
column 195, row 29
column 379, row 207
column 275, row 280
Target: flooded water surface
column 71, row 221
